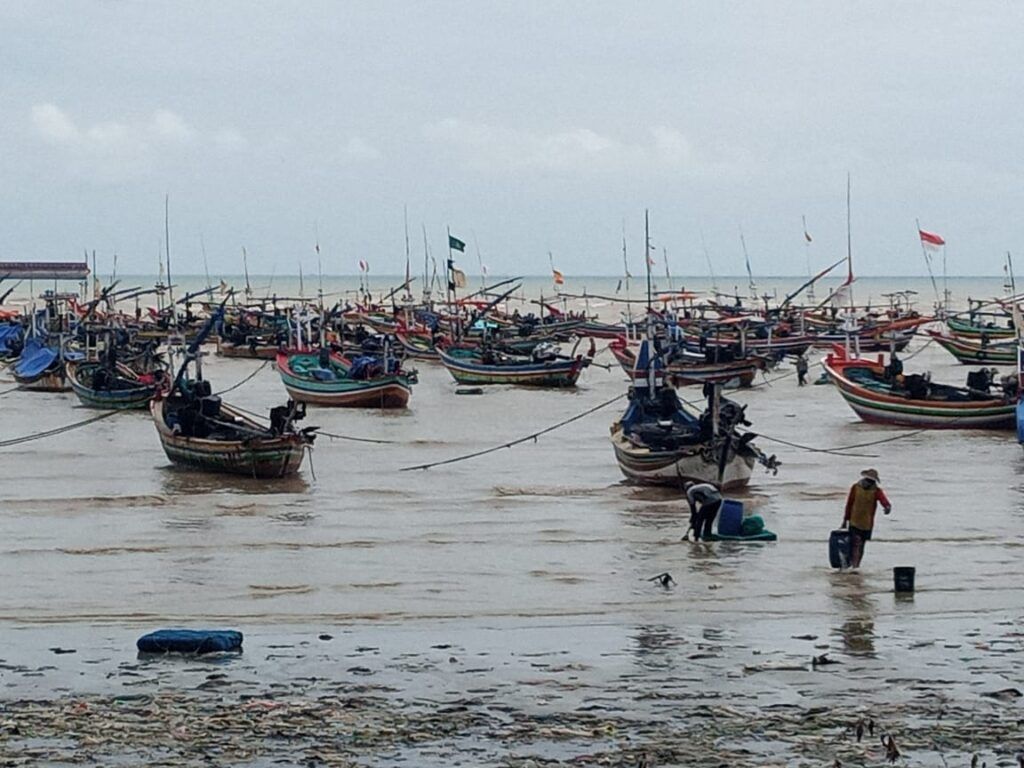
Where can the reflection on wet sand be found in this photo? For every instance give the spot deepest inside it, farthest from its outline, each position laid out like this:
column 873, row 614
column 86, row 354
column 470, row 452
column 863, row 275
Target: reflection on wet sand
column 857, row 632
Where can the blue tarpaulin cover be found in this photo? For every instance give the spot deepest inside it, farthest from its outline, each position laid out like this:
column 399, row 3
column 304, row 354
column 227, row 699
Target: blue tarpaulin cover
column 8, row 333
column 34, row 360
column 190, row 641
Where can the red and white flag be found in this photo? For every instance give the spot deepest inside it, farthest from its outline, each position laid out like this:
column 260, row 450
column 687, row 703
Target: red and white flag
column 930, row 239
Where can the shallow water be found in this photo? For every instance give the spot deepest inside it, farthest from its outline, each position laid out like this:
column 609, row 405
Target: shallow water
column 538, row 549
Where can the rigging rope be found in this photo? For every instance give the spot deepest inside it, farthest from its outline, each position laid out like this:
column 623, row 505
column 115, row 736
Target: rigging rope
column 517, row 441
column 57, row 431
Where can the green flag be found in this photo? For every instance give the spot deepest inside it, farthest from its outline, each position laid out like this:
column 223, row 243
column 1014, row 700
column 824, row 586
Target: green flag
column 455, row 244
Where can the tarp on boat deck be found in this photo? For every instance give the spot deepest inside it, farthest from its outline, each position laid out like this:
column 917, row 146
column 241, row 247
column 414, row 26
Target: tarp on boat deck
column 34, row 360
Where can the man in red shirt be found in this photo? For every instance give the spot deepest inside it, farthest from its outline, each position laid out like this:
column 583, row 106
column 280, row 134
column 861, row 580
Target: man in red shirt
column 861, row 503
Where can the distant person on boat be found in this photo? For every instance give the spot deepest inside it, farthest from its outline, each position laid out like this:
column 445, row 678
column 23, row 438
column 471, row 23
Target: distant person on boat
column 705, row 500
column 894, row 369
column 801, row 370
column 861, row 503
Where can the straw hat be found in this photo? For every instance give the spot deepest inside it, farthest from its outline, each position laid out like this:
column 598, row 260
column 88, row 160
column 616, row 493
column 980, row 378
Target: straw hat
column 871, row 474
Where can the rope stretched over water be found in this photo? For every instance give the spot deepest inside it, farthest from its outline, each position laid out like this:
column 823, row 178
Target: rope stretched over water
column 247, row 379
column 319, row 432
column 517, row 441
column 57, row 431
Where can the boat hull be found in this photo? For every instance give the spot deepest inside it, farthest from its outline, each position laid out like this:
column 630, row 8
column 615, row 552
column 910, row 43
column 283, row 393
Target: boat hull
column 697, row 463
column 53, row 381
column 972, row 352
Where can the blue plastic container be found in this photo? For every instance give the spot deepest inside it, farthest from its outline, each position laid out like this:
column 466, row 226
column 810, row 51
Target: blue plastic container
column 839, row 548
column 730, row 517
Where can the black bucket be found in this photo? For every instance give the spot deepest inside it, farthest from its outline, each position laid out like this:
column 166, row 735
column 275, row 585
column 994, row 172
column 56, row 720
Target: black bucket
column 903, row 578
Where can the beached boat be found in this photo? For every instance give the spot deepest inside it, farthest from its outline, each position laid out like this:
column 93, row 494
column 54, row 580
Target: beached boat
column 98, row 385
column 972, row 352
column 544, row 368
column 333, row 380
column 879, row 395
column 660, row 441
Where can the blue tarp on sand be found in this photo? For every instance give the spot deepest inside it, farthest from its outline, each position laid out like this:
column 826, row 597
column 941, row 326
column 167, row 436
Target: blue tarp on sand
column 190, row 641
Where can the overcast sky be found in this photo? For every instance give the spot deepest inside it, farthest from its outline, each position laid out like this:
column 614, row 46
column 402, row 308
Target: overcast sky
column 527, row 127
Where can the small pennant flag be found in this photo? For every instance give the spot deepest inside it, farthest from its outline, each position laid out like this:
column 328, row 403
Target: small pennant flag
column 483, row 270
column 930, row 239
column 363, row 266
column 807, row 236
column 651, row 262
column 559, row 277
column 455, row 244
column 317, row 247
column 458, row 278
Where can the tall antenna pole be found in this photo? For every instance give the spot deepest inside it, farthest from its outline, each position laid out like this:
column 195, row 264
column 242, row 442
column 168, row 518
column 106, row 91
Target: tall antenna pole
column 408, row 273
column 167, row 247
column 647, row 255
column 849, row 242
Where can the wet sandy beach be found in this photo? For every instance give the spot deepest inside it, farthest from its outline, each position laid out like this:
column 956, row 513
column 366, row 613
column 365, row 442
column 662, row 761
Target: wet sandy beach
column 498, row 611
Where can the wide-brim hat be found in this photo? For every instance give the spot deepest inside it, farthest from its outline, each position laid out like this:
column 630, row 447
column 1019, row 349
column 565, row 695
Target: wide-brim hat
column 870, row 474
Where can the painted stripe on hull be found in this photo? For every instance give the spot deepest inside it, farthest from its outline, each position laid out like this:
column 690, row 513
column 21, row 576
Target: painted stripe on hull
column 388, row 395
column 882, row 409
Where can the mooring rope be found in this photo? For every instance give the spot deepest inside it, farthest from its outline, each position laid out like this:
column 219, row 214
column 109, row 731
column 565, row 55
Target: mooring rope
column 331, row 435
column 247, row 379
column 57, row 431
column 517, row 441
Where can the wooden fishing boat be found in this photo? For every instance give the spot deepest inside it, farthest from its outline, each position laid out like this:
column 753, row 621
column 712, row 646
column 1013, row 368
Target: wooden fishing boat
column 340, row 384
column 229, row 441
column 545, row 368
column 97, row 386
column 418, row 346
column 660, row 441
column 198, row 430
column 879, row 397
column 252, row 351
column 970, row 352
column 967, row 329
column 737, row 373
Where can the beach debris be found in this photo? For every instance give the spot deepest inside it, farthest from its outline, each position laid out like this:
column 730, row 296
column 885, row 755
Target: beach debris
column 665, row 579
column 892, row 753
column 325, row 636
column 59, row 651
column 822, row 661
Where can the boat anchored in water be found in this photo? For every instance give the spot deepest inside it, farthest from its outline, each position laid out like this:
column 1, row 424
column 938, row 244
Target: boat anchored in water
column 660, row 441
